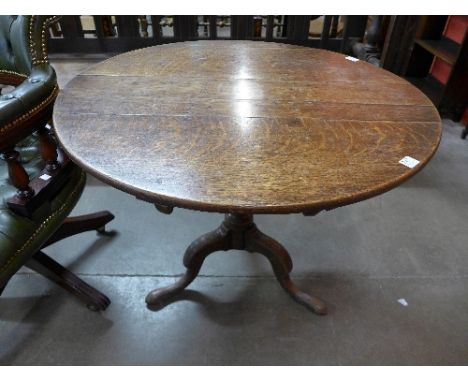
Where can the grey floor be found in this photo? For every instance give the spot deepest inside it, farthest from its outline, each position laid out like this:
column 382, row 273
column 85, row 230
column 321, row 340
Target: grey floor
column 410, row 243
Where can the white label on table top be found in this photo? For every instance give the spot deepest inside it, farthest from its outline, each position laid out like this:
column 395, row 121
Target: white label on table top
column 45, row 177
column 350, row 58
column 409, row 162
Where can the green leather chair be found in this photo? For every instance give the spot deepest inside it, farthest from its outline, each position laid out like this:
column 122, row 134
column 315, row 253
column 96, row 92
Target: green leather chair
column 39, row 185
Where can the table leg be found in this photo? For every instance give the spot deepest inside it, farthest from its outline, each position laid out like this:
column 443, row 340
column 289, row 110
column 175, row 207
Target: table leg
column 237, row 231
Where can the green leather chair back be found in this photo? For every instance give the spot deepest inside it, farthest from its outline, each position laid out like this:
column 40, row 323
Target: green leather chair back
column 22, row 42
column 25, row 65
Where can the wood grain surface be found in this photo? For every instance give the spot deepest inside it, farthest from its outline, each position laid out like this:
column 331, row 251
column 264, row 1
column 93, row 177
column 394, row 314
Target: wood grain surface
column 246, row 127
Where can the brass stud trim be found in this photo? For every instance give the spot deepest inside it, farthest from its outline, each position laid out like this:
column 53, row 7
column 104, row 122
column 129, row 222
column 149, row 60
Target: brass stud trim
column 11, row 72
column 32, row 45
column 31, row 112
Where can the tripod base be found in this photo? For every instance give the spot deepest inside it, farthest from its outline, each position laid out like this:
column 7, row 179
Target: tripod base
column 237, row 231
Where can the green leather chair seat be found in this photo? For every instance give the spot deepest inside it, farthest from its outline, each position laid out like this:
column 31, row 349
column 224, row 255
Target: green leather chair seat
column 21, row 237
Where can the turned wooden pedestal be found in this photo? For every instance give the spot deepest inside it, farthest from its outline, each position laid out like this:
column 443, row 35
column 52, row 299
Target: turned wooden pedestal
column 237, row 231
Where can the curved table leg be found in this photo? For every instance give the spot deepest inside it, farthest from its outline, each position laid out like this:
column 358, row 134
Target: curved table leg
column 257, row 241
column 194, row 257
column 237, row 231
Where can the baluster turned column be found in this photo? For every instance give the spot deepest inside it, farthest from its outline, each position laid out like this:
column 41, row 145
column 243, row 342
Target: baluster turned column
column 18, row 175
column 48, row 150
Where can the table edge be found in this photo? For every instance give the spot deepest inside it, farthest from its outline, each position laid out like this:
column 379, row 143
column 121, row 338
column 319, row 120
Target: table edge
column 306, row 208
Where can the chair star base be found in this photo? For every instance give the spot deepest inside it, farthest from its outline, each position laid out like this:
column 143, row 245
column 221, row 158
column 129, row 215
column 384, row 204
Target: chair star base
column 48, row 267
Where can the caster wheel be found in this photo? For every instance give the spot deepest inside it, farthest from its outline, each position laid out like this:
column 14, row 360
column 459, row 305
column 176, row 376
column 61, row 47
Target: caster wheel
column 102, row 231
column 92, row 307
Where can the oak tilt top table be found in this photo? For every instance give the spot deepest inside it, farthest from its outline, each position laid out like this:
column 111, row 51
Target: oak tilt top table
column 245, row 127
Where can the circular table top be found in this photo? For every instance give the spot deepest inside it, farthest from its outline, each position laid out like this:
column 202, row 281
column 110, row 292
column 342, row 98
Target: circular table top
column 244, row 126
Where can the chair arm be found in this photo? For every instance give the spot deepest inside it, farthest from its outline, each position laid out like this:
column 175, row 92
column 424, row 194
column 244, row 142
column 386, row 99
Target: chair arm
column 31, row 101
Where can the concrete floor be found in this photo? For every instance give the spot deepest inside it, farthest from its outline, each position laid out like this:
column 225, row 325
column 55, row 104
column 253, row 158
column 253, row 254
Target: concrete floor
column 410, row 243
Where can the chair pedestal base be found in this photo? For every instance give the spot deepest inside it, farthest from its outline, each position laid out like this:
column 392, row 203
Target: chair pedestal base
column 43, row 264
column 46, row 266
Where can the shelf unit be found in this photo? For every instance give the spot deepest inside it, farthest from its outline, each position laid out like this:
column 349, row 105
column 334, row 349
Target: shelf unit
column 444, row 48
column 438, row 63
